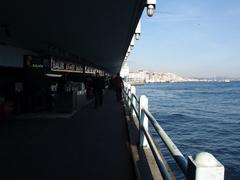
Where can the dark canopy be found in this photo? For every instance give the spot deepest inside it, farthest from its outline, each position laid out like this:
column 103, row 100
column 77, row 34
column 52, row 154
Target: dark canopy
column 97, row 32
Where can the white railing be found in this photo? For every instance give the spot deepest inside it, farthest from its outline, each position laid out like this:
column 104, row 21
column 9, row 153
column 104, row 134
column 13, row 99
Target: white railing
column 203, row 166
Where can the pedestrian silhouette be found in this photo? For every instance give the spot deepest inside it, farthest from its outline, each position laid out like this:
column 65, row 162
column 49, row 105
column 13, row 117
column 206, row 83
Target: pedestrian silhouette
column 98, row 86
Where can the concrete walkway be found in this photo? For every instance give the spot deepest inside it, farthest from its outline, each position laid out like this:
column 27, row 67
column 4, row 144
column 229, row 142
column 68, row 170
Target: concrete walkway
column 91, row 145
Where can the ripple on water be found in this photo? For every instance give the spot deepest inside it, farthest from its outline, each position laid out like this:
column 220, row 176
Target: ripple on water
column 199, row 117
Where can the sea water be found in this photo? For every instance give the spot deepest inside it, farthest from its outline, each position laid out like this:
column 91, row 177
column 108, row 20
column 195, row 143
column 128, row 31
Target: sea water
column 199, row 116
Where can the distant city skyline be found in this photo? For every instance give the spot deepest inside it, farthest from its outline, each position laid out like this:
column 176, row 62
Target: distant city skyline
column 190, row 38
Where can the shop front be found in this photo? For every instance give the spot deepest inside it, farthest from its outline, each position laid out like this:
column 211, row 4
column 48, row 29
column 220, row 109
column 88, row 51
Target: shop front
column 44, row 84
column 53, row 85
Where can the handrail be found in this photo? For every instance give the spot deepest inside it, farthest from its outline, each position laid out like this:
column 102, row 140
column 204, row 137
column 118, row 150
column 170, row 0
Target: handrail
column 175, row 152
column 135, row 110
column 189, row 167
column 157, row 156
column 135, row 98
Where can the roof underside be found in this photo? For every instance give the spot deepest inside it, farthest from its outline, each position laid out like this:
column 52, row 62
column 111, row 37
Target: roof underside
column 98, row 32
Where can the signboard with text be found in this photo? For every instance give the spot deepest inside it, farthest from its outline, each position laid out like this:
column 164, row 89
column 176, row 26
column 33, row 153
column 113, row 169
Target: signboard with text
column 90, row 70
column 35, row 62
column 59, row 65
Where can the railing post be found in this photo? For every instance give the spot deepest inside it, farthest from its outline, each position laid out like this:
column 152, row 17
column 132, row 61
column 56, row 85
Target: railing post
column 204, row 167
column 133, row 100
column 129, row 95
column 126, row 91
column 143, row 120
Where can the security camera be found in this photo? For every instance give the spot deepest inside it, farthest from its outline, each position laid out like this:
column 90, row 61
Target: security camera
column 137, row 36
column 129, row 49
column 132, row 43
column 138, row 30
column 151, row 5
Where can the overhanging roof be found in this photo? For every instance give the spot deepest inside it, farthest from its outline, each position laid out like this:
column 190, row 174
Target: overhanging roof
column 98, row 32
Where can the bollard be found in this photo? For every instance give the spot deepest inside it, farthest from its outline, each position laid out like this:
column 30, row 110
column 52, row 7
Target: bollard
column 143, row 121
column 205, row 167
column 133, row 100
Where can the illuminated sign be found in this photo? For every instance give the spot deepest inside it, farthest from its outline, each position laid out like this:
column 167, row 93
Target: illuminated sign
column 57, row 65
column 35, row 62
column 101, row 73
column 37, row 65
column 79, row 68
column 90, row 70
column 70, row 66
column 61, row 66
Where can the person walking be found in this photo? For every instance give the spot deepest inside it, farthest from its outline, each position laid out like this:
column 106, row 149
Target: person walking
column 98, row 86
column 118, row 82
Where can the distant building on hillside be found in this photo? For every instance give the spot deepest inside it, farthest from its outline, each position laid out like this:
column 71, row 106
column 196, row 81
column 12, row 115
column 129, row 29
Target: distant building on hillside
column 138, row 77
column 142, row 76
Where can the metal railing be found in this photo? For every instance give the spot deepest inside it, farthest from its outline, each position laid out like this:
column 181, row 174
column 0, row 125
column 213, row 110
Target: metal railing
column 197, row 168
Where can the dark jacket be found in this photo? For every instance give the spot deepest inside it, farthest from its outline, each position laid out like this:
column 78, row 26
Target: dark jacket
column 98, row 84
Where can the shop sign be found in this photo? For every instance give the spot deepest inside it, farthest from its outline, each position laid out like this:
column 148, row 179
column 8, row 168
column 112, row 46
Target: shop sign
column 37, row 65
column 101, row 73
column 57, row 65
column 79, row 68
column 90, row 70
column 61, row 66
column 35, row 62
column 70, row 67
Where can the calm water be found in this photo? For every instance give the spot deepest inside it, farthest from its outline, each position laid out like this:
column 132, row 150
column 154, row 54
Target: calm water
column 199, row 117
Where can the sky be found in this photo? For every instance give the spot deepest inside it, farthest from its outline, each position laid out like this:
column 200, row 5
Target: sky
column 192, row 38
